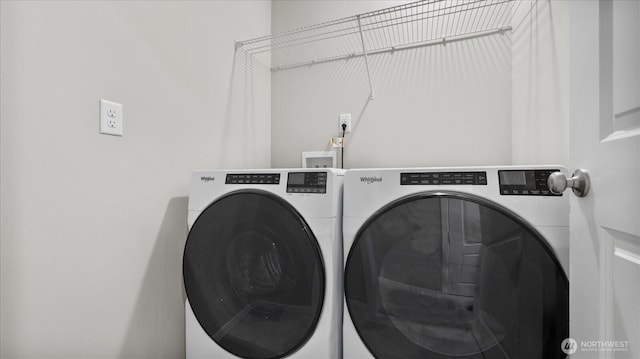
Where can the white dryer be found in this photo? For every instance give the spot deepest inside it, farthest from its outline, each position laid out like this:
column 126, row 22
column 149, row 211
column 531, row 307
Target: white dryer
column 455, row 263
column 262, row 264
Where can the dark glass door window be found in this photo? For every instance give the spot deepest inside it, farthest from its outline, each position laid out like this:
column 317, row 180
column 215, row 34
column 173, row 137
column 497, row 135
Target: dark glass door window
column 254, row 275
column 455, row 276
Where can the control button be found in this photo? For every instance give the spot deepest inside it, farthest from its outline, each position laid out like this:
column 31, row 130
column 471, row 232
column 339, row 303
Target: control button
column 481, row 178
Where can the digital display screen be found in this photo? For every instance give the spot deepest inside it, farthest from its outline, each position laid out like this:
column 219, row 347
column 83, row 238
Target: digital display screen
column 307, row 182
column 511, row 178
column 296, row 178
column 525, row 182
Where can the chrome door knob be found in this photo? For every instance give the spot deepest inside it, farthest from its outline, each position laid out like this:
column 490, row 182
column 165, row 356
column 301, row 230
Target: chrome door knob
column 579, row 182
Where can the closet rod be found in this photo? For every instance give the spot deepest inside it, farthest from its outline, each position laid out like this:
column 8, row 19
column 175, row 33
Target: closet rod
column 432, row 42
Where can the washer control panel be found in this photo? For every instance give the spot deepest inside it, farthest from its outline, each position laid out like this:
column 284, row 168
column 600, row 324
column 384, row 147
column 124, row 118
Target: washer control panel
column 307, row 182
column 253, row 178
column 443, row 178
column 525, row 182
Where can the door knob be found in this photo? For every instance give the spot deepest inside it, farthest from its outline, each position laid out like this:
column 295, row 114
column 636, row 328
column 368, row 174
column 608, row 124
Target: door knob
column 579, row 182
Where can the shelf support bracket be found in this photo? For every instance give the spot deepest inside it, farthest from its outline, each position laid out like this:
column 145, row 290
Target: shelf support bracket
column 366, row 59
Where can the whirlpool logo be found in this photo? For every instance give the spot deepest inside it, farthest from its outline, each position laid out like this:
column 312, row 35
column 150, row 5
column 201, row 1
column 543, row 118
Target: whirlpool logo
column 370, row 180
column 206, row 179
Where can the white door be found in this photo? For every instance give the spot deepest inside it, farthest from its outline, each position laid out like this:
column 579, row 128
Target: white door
column 605, row 141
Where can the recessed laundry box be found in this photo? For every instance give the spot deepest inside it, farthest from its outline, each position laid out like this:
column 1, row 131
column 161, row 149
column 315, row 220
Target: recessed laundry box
column 455, row 263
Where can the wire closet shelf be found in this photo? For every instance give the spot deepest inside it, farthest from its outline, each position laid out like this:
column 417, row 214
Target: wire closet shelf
column 406, row 26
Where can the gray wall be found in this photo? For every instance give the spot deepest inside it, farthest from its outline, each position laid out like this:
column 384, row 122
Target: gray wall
column 540, row 78
column 93, row 226
column 499, row 99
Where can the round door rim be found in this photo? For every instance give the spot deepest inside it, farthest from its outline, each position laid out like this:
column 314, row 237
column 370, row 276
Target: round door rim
column 445, row 194
column 313, row 242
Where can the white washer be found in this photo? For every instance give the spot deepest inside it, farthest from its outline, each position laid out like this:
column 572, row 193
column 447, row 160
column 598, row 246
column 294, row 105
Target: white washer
column 262, row 264
column 455, row 263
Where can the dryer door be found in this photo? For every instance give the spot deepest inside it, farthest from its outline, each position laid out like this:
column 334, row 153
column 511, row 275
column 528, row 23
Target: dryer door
column 451, row 275
column 254, row 275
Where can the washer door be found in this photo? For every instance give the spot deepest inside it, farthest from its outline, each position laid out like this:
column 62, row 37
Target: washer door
column 450, row 275
column 254, row 275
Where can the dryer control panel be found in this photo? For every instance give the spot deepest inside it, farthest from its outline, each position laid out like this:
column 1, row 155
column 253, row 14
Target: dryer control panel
column 525, row 182
column 307, row 182
column 443, row 178
column 253, row 178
